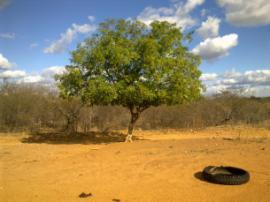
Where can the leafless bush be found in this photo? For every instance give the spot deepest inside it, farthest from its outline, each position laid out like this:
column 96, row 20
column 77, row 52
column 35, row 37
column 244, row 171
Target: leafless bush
column 26, row 107
column 35, row 108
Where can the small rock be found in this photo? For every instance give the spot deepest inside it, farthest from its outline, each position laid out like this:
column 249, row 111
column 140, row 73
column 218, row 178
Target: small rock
column 116, row 200
column 84, row 195
column 228, row 138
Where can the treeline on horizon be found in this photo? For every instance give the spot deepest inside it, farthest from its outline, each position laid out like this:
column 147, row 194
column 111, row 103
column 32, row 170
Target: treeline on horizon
column 36, row 108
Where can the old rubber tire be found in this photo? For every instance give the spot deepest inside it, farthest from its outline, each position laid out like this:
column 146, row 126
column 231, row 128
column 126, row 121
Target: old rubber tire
column 225, row 175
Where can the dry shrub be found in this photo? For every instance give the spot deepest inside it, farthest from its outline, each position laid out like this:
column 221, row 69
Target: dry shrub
column 35, row 108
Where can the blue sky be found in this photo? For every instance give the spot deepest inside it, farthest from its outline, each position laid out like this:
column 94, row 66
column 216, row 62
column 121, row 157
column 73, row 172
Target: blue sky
column 231, row 36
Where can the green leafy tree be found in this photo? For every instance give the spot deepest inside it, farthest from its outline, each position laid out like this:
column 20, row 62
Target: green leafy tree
column 129, row 64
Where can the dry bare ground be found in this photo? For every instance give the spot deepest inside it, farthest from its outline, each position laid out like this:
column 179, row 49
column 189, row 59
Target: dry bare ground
column 163, row 166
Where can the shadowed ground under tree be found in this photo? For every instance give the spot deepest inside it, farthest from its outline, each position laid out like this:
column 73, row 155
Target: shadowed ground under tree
column 75, row 138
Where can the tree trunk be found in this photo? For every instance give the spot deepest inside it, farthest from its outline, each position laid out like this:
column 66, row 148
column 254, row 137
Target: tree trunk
column 133, row 119
column 70, row 126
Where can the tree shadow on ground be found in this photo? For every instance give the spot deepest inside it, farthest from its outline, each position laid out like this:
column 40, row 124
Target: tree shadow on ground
column 76, row 138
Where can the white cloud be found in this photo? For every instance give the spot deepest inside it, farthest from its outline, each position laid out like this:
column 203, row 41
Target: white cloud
column 31, row 79
column 66, row 38
column 261, row 77
column 12, row 74
column 177, row 13
column 209, row 28
column 83, row 29
column 232, row 74
column 45, row 77
column 191, row 4
column 7, row 35
column 229, row 81
column 208, row 76
column 212, row 48
column 252, row 77
column 246, row 12
column 212, row 89
column 4, row 63
column 91, row 18
column 50, row 72
column 257, row 77
column 253, row 82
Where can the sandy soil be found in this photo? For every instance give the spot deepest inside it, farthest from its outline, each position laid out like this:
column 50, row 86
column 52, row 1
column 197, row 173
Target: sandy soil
column 161, row 167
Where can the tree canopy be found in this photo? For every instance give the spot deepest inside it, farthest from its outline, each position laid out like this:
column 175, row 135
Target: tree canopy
column 130, row 64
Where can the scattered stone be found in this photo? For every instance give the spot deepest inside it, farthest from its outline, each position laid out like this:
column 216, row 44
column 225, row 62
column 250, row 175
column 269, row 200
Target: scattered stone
column 84, row 195
column 116, row 200
column 228, row 138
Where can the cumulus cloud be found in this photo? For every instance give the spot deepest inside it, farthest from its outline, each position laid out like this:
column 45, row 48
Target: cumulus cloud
column 66, row 38
column 209, row 28
column 178, row 13
column 253, row 82
column 245, row 12
column 50, row 72
column 31, row 79
column 4, row 63
column 208, row 76
column 261, row 77
column 91, row 18
column 7, row 35
column 217, row 47
column 12, row 74
column 191, row 4
column 46, row 77
column 251, row 77
column 232, row 74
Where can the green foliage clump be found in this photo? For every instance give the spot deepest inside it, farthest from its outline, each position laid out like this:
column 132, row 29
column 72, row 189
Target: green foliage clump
column 129, row 64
